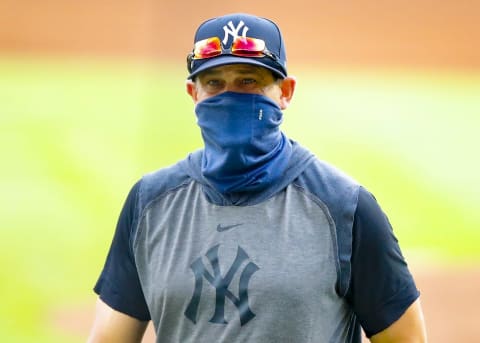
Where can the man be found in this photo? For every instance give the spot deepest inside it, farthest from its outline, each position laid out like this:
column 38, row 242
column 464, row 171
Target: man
column 252, row 238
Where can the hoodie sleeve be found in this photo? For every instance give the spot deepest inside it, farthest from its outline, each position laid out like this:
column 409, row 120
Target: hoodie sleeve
column 119, row 285
column 381, row 286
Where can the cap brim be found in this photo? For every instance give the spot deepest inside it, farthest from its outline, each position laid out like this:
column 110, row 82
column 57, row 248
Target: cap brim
column 229, row 59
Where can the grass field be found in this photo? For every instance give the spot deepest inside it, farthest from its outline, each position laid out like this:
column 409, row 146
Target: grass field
column 75, row 135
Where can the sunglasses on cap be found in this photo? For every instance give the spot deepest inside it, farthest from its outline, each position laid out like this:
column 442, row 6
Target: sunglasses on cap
column 241, row 46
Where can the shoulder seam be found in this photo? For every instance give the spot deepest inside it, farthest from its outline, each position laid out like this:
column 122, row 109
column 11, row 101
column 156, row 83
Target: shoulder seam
column 150, row 203
column 316, row 199
column 331, row 222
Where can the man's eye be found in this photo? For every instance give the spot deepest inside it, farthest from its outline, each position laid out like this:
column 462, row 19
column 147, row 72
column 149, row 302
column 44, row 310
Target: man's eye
column 249, row 81
column 213, row 83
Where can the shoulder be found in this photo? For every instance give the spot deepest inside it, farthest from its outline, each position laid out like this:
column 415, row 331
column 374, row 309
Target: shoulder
column 336, row 189
column 326, row 176
column 159, row 182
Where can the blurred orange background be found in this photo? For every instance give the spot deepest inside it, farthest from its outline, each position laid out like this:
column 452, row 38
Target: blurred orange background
column 422, row 33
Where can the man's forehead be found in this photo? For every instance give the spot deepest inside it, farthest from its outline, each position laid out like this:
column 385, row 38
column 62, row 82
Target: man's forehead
column 237, row 68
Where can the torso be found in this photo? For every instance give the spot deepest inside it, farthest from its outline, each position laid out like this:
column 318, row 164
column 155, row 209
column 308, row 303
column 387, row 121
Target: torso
column 260, row 273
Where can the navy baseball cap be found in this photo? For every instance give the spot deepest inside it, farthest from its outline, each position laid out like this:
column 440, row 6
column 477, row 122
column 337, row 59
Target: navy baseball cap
column 231, row 26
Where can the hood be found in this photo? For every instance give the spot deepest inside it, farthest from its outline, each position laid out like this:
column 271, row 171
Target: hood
column 299, row 161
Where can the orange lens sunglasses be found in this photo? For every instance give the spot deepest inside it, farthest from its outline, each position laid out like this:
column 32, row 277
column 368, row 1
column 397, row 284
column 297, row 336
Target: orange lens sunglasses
column 241, row 46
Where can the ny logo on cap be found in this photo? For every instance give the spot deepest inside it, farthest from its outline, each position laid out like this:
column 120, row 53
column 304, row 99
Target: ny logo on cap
column 232, row 30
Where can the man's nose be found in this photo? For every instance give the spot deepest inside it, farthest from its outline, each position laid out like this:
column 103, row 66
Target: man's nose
column 232, row 87
column 238, row 89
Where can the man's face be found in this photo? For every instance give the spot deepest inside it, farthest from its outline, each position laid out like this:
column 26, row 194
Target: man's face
column 240, row 78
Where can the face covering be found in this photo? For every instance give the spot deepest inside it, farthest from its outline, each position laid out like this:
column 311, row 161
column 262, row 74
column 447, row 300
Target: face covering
column 244, row 147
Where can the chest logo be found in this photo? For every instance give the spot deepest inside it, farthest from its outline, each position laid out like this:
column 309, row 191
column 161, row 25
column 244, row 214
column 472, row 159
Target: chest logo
column 222, row 228
column 221, row 285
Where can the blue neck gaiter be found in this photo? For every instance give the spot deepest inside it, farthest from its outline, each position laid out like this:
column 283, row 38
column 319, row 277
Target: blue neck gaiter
column 244, row 147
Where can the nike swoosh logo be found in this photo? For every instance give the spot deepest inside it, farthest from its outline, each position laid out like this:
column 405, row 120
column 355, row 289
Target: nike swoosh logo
column 221, row 228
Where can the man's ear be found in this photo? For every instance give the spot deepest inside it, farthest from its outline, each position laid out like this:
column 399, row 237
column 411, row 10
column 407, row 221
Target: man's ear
column 287, row 87
column 192, row 90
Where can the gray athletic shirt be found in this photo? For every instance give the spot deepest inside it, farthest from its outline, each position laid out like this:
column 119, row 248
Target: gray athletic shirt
column 274, row 266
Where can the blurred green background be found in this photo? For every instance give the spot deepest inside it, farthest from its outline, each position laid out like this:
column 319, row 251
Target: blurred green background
column 76, row 131
column 75, row 136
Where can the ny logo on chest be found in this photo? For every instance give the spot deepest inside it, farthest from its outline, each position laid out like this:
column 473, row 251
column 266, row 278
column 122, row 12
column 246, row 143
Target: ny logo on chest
column 221, row 285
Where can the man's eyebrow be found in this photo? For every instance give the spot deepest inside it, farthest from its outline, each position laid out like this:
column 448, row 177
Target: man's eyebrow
column 251, row 72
